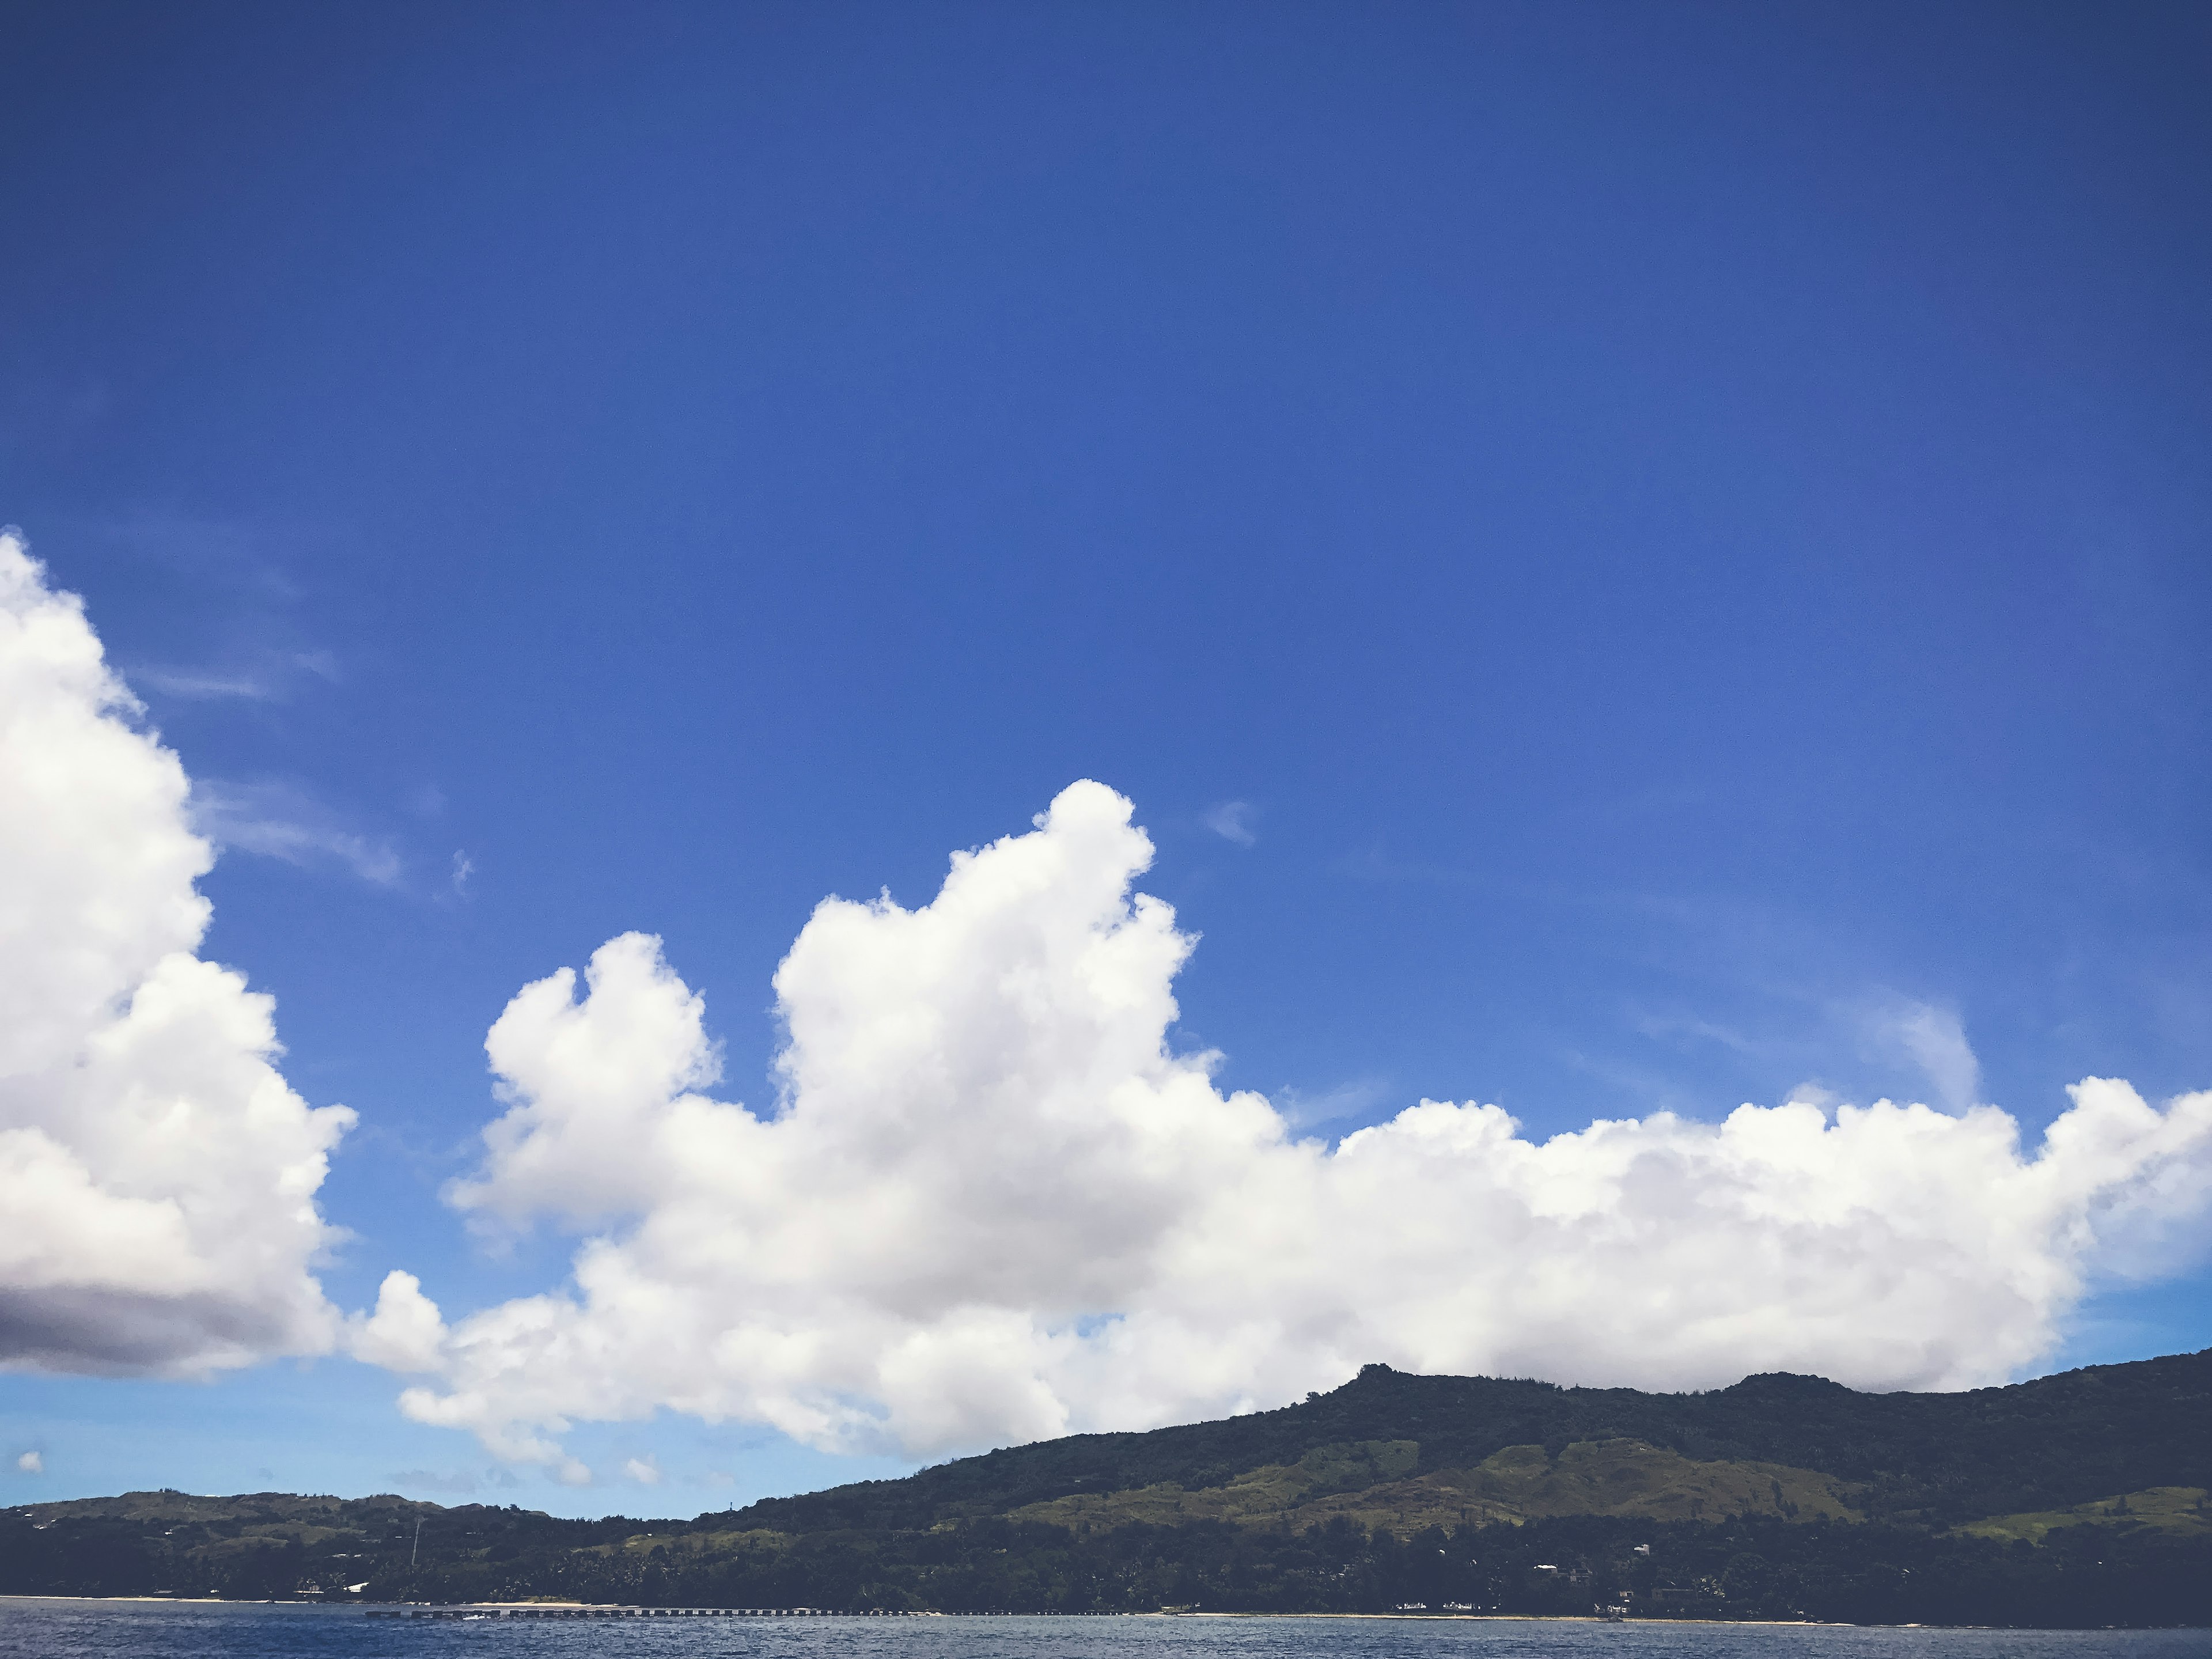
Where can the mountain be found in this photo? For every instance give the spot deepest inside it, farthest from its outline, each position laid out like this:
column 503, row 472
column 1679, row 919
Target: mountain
column 2074, row 1500
column 1932, row 1458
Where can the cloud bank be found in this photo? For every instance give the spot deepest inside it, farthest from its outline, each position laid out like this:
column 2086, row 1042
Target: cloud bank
column 992, row 1205
column 157, row 1177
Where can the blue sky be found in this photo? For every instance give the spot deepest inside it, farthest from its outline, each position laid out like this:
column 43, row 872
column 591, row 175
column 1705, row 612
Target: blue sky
column 1629, row 558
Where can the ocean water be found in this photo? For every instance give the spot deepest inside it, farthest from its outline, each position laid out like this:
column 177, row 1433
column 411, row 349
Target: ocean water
column 66, row 1629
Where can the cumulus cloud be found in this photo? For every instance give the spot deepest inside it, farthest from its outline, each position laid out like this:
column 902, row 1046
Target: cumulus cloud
column 404, row 1333
column 992, row 1205
column 32, row 1462
column 157, row 1175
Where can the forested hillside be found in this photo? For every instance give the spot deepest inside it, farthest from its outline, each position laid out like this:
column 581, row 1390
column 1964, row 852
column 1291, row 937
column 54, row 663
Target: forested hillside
column 1935, row 1457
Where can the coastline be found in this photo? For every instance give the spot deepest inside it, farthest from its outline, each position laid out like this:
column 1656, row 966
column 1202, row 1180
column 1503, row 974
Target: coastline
column 1413, row 1618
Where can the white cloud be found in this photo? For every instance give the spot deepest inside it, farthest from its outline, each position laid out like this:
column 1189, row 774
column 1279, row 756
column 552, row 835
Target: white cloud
column 32, row 1462
column 643, row 1470
column 1232, row 821
column 405, row 1333
column 463, row 868
column 157, row 1175
column 280, row 820
column 992, row 1205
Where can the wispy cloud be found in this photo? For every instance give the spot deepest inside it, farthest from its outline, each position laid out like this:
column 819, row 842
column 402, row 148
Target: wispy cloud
column 1934, row 1039
column 1232, row 820
column 643, row 1470
column 1358, row 1097
column 1790, row 994
column 272, row 678
column 463, row 867
column 216, row 555
column 1373, row 864
column 281, row 821
column 200, row 685
column 1689, row 1028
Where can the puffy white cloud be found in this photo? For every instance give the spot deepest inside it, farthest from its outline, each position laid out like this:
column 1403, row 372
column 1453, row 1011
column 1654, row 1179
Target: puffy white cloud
column 992, row 1205
column 32, row 1462
column 157, row 1175
column 406, row 1332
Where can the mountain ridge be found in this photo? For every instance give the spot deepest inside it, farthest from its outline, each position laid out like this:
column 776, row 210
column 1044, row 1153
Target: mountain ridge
column 2070, row 1438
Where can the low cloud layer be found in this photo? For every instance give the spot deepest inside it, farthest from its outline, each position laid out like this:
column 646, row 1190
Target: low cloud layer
column 157, row 1177
column 991, row 1204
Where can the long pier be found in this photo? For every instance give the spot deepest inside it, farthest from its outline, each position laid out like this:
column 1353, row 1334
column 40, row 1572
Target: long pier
column 581, row 1612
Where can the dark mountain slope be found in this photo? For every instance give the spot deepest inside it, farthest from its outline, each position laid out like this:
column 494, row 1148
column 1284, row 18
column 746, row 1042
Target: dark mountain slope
column 1939, row 1458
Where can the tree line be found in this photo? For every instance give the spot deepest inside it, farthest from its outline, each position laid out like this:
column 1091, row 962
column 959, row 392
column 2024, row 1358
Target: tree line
column 1746, row 1568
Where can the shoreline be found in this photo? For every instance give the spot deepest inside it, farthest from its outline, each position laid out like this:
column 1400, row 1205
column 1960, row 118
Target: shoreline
column 1422, row 1618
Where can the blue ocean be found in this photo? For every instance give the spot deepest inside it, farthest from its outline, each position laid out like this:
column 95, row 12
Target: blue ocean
column 42, row 1629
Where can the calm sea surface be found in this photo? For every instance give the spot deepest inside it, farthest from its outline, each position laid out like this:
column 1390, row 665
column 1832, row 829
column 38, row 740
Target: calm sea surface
column 42, row 1628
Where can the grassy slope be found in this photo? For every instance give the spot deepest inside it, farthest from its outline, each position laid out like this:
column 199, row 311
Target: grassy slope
column 1623, row 1478
column 2185, row 1510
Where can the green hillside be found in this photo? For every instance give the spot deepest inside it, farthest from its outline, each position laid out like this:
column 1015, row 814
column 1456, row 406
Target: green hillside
column 2077, row 1499
column 2184, row 1510
column 1372, row 1484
